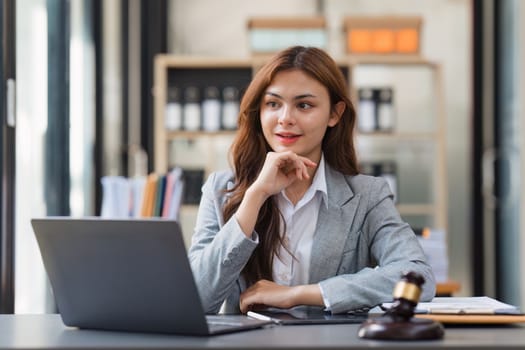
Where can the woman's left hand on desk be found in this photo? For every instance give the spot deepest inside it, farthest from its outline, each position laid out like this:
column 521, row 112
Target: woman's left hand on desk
column 269, row 293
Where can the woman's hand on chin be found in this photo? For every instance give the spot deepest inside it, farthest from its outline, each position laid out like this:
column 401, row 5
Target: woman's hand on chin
column 280, row 170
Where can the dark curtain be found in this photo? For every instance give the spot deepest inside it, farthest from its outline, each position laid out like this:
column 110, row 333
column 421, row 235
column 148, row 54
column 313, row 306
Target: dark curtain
column 7, row 153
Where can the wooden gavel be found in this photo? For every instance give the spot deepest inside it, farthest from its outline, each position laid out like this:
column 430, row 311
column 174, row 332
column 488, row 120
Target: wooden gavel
column 398, row 323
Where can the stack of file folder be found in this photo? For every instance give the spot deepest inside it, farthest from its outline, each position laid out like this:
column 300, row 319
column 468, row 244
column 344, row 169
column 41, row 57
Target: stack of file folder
column 153, row 195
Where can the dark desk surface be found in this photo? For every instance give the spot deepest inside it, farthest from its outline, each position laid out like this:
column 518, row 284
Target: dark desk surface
column 48, row 332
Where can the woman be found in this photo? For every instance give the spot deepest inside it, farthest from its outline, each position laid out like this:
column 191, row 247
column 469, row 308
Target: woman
column 294, row 223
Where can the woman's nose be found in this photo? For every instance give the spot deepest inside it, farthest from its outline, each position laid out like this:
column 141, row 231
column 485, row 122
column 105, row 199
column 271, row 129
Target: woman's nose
column 286, row 117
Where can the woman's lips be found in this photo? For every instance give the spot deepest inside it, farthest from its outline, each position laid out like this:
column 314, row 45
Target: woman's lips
column 287, row 139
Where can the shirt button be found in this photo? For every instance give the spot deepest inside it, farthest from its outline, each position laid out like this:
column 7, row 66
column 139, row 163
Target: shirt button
column 286, row 277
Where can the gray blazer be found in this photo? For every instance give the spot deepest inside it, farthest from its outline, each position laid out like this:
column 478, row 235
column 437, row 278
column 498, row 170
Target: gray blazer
column 360, row 250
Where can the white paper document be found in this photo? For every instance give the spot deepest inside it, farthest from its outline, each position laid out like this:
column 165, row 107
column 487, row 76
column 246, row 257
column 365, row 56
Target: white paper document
column 464, row 306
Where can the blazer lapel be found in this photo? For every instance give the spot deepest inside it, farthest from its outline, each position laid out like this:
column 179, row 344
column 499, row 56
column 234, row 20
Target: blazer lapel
column 333, row 226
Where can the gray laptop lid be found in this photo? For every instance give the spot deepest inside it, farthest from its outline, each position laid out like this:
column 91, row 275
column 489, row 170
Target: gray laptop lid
column 131, row 275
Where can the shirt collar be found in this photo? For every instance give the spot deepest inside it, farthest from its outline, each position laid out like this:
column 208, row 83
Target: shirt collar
column 319, row 181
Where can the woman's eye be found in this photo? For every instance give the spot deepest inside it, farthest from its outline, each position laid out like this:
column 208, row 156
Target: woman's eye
column 271, row 104
column 304, row 105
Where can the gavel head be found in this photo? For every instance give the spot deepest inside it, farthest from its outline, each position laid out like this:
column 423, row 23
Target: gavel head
column 406, row 296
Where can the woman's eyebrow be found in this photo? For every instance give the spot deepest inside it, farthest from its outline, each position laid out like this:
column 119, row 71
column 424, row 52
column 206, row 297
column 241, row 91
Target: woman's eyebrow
column 298, row 97
column 274, row 94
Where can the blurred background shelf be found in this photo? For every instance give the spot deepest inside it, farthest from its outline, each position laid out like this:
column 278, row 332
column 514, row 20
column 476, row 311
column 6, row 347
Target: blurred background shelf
column 448, row 288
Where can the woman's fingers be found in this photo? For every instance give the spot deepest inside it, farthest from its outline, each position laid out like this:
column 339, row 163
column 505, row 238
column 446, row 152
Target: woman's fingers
column 280, row 170
column 308, row 162
column 290, row 161
column 267, row 293
column 253, row 296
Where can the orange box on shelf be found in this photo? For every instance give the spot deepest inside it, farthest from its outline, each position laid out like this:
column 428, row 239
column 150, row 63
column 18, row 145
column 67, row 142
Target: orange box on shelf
column 387, row 35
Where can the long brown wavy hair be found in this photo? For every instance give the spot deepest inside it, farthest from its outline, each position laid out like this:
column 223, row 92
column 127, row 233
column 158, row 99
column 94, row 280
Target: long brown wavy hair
column 249, row 148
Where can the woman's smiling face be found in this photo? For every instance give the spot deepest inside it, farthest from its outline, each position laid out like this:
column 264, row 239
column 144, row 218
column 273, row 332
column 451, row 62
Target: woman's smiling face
column 295, row 112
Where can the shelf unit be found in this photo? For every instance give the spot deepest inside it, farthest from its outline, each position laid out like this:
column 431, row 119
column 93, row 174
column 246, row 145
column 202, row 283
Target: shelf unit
column 167, row 69
column 433, row 135
column 208, row 70
column 183, row 71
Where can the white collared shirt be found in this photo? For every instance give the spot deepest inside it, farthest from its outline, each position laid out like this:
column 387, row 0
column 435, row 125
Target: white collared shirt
column 301, row 221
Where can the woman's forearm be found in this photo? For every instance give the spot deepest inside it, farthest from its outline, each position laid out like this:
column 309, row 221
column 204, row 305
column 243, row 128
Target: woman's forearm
column 248, row 210
column 308, row 294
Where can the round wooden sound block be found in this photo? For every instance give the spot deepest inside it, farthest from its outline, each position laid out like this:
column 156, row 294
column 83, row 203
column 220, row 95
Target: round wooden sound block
column 386, row 328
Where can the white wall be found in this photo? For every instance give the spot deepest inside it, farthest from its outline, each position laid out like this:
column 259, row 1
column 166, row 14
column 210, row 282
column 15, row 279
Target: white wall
column 218, row 28
column 32, row 292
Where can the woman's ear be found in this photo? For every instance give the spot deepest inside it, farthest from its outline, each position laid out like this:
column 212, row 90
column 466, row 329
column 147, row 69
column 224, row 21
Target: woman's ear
column 337, row 112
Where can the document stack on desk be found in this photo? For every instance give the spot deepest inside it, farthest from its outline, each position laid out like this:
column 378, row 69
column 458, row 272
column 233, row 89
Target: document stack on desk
column 467, row 310
column 467, row 306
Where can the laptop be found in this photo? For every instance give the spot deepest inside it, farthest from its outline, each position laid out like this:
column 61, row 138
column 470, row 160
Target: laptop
column 126, row 275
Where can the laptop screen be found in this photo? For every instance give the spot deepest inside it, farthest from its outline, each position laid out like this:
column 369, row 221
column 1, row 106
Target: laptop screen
column 131, row 275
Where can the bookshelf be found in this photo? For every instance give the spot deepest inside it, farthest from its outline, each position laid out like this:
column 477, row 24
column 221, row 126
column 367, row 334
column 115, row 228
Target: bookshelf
column 419, row 130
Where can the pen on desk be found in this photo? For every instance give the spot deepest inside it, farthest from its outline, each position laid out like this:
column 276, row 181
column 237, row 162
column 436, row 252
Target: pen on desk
column 260, row 317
